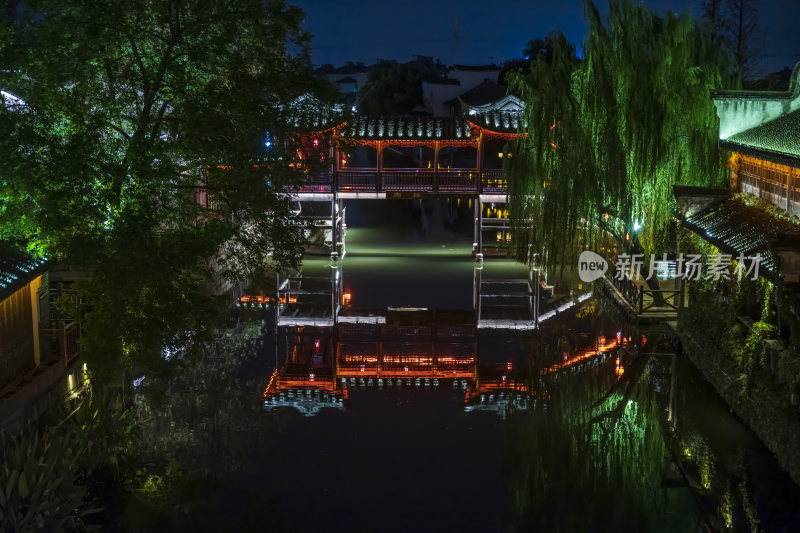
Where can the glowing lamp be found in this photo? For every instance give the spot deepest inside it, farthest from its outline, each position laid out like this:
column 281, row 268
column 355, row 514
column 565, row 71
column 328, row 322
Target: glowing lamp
column 346, row 297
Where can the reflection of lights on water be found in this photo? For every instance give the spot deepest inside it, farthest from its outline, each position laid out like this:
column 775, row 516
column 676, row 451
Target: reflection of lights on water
column 564, row 307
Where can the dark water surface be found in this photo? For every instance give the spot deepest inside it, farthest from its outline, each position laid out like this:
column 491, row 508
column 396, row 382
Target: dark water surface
column 585, row 425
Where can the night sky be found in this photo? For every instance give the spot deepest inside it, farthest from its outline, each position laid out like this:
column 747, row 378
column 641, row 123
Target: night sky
column 479, row 32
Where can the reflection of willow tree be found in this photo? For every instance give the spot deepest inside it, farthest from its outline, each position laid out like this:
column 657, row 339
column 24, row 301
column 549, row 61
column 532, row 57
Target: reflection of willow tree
column 586, row 465
column 202, row 426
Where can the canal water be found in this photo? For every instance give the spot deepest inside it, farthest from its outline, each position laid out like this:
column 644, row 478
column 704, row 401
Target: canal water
column 584, row 425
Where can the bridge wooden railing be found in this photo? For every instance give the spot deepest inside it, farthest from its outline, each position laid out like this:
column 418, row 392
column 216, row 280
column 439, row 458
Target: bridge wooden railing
column 642, row 298
column 408, row 180
column 464, row 181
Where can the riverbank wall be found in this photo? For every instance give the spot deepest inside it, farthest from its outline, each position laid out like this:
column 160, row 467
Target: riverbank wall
column 764, row 408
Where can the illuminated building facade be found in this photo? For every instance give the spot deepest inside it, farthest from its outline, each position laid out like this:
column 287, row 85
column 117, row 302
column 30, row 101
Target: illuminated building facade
column 762, row 130
column 410, row 157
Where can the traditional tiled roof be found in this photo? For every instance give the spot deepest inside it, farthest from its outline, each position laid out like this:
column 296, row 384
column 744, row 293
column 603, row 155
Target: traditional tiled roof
column 443, row 81
column 475, row 68
column 410, row 128
column 737, row 228
column 307, row 114
column 16, row 269
column 778, row 140
column 484, row 93
column 498, row 121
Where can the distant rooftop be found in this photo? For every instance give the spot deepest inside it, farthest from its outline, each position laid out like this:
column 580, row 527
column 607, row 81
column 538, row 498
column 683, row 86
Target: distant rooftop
column 476, row 68
column 483, row 94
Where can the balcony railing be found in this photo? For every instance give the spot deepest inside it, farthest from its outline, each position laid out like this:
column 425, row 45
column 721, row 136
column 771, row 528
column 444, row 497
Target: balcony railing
column 493, row 182
column 405, row 179
column 458, row 180
column 356, row 180
column 463, row 181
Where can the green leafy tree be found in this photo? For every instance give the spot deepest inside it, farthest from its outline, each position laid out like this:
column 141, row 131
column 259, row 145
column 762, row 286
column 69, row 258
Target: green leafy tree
column 609, row 137
column 735, row 28
column 534, row 49
column 132, row 113
column 745, row 38
column 393, row 91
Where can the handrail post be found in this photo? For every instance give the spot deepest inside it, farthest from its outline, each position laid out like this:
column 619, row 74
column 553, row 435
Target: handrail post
column 379, row 167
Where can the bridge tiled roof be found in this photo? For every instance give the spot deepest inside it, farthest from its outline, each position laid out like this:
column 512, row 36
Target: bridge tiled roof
column 498, row 121
column 307, row 119
column 777, row 140
column 412, row 128
column 17, row 268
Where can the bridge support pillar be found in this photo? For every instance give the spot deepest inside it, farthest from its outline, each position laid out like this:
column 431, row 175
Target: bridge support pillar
column 477, row 244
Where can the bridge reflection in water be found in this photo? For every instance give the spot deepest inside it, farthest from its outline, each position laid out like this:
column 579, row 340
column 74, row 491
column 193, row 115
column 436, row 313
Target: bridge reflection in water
column 318, row 366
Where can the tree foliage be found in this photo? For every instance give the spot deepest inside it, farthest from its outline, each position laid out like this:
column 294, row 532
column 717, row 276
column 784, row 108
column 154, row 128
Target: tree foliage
column 735, row 28
column 609, row 137
column 393, row 91
column 41, row 483
column 132, row 112
column 534, row 49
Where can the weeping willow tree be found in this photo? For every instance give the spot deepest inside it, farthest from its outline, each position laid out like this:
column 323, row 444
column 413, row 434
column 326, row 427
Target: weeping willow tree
column 610, row 135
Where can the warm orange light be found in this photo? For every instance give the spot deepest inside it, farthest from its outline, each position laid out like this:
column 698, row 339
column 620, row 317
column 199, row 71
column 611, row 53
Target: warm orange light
column 587, row 353
column 255, row 299
column 346, row 297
